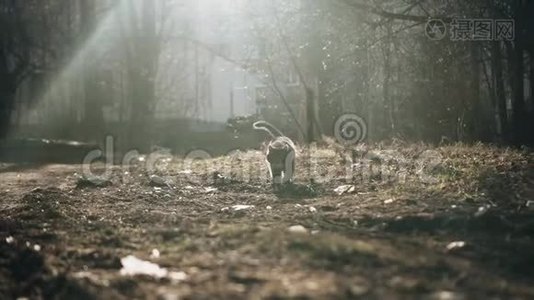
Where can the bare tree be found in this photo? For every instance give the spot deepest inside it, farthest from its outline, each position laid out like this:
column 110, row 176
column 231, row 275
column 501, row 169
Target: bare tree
column 14, row 58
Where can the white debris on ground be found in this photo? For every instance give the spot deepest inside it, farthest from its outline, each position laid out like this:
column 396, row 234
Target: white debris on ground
column 446, row 295
column 242, row 207
column 456, row 245
column 132, row 266
column 345, row 189
column 482, row 210
column 298, row 229
column 306, row 207
column 238, row 208
column 389, row 201
column 209, row 190
column 154, row 254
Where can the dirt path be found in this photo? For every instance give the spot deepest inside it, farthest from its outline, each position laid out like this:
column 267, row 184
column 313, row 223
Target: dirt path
column 466, row 234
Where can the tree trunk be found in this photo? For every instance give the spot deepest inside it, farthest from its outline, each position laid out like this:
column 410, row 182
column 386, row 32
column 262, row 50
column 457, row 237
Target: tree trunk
column 7, row 101
column 310, row 115
column 475, row 110
column 530, row 133
column 529, row 38
column 388, row 99
column 142, row 64
column 520, row 116
column 93, row 115
column 531, row 79
column 7, row 95
column 11, row 75
column 498, row 85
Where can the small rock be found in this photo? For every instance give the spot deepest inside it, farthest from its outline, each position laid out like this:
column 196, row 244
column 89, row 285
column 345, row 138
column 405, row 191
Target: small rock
column 298, row 229
column 154, row 254
column 158, row 181
column 313, row 209
column 10, row 240
column 269, row 208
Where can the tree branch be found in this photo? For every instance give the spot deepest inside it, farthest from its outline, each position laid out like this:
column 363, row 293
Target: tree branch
column 390, row 15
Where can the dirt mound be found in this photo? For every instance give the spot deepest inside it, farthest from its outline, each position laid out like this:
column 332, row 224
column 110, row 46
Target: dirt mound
column 45, row 206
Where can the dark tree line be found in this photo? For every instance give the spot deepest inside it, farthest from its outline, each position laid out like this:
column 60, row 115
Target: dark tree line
column 459, row 90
